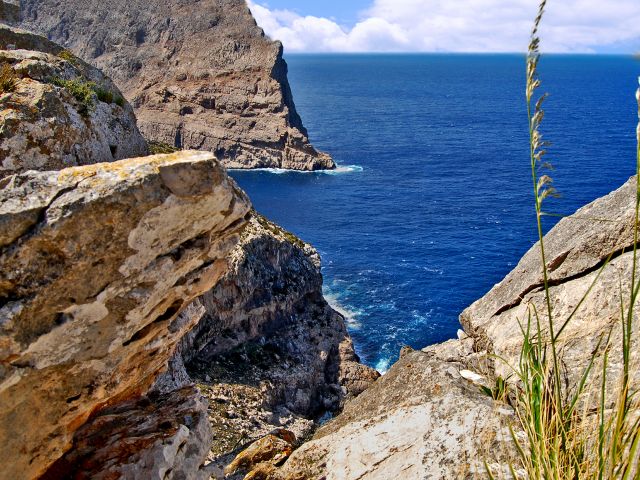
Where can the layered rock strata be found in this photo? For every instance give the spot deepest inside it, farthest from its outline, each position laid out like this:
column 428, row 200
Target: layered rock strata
column 268, row 352
column 57, row 111
column 200, row 74
column 97, row 263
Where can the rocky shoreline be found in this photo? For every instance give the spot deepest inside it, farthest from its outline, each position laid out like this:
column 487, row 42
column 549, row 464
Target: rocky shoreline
column 154, row 325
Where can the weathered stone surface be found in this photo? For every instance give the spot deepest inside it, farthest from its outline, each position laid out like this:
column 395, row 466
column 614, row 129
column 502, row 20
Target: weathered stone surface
column 274, row 448
column 268, row 351
column 420, row 420
column 97, row 263
column 155, row 437
column 200, row 74
column 43, row 126
column 576, row 249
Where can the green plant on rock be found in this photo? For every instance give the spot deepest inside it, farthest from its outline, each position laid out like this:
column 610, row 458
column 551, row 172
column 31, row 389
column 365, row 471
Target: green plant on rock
column 82, row 91
column 158, row 148
column 87, row 92
column 571, row 431
column 8, row 79
column 69, row 57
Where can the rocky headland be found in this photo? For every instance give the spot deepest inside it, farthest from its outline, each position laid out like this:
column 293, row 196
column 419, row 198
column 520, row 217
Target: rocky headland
column 153, row 325
column 199, row 74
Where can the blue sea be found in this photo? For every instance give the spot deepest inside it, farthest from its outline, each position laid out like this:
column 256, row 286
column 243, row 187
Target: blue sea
column 432, row 204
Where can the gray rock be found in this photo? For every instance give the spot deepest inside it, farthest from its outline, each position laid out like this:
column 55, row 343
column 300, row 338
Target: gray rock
column 47, row 122
column 200, row 74
column 576, row 249
column 420, row 420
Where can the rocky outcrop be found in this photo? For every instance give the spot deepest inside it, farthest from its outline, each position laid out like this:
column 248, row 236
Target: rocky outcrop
column 57, row 111
column 200, row 74
column 268, row 352
column 97, row 263
column 422, row 419
column 591, row 250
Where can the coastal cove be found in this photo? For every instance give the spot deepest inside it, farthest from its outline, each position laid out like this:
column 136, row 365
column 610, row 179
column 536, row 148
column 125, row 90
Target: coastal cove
column 438, row 208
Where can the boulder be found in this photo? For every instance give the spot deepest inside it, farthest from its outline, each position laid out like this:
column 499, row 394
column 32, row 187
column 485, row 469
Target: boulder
column 98, row 262
column 57, row 111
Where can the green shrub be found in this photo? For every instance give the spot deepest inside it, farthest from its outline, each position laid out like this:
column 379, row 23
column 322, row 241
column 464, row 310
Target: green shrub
column 69, row 57
column 158, row 148
column 87, row 92
column 104, row 95
column 8, row 79
column 83, row 92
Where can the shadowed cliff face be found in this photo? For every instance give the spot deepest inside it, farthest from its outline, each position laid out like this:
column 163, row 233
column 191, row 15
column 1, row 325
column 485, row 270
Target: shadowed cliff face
column 200, row 74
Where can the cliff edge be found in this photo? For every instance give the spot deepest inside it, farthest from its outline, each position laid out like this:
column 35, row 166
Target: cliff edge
column 200, row 74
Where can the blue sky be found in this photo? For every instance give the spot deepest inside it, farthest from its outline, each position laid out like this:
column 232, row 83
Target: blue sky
column 573, row 26
column 344, row 12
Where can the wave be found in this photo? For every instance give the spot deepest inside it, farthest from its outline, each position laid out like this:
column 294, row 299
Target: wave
column 339, row 170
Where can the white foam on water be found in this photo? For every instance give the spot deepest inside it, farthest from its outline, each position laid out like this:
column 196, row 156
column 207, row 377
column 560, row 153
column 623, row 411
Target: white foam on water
column 383, row 365
column 350, row 315
column 340, row 169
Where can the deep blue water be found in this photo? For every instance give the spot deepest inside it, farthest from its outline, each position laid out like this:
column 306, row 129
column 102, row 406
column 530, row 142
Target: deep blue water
column 441, row 206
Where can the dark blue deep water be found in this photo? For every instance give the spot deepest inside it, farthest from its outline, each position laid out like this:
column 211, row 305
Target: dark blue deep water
column 439, row 207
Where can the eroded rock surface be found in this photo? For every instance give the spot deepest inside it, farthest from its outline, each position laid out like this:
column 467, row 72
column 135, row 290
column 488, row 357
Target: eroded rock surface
column 576, row 249
column 200, row 74
column 60, row 111
column 420, row 420
column 97, row 263
column 268, row 352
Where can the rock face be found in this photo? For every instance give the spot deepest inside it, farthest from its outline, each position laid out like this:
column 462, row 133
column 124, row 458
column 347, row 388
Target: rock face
column 268, row 351
column 200, row 74
column 576, row 248
column 420, row 420
column 97, row 263
column 58, row 111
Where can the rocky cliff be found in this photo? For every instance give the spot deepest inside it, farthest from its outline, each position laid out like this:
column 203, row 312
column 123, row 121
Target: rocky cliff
column 93, row 278
column 200, row 74
column 427, row 417
column 58, row 111
column 151, row 324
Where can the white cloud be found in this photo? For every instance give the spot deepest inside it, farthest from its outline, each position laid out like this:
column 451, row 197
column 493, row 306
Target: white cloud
column 460, row 26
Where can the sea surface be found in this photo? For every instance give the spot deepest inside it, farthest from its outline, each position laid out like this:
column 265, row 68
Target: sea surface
column 432, row 204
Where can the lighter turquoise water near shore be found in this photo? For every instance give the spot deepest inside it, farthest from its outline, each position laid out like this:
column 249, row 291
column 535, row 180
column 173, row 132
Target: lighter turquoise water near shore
column 435, row 207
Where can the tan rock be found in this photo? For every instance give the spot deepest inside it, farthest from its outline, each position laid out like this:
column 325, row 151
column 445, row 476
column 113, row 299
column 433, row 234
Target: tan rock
column 420, row 420
column 200, row 74
column 98, row 261
column 47, row 124
column 274, row 449
column 156, row 437
column 576, row 249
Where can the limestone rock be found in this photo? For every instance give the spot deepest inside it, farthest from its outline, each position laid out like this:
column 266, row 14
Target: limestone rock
column 576, row 249
column 268, row 352
column 274, row 448
column 420, row 420
column 61, row 112
column 154, row 437
column 200, row 74
column 271, row 301
column 97, row 263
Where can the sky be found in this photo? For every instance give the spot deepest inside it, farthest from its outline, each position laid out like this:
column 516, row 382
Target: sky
column 569, row 26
